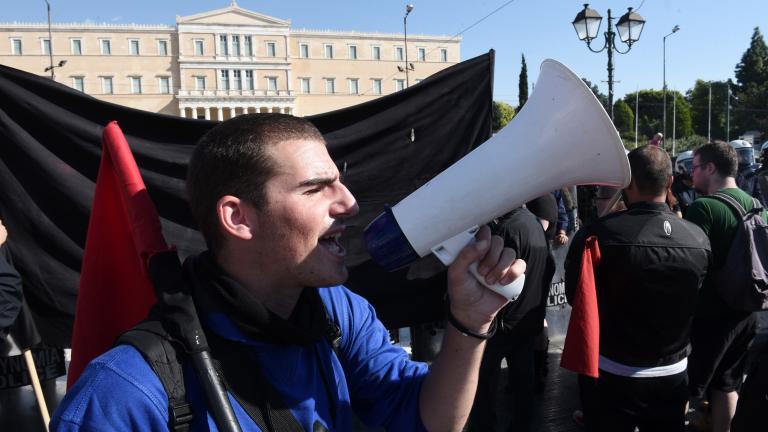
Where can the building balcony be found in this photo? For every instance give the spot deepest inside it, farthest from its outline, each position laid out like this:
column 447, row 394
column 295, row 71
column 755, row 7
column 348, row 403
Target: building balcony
column 235, row 93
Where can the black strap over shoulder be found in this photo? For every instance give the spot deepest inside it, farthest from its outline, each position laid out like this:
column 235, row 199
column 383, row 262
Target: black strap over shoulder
column 165, row 357
column 731, row 202
column 242, row 376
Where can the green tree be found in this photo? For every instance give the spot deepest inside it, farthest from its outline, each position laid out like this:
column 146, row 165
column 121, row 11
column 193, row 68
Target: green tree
column 600, row 97
column 751, row 110
column 682, row 113
column 624, row 119
column 649, row 111
column 753, row 67
column 502, row 114
column 698, row 98
column 522, row 86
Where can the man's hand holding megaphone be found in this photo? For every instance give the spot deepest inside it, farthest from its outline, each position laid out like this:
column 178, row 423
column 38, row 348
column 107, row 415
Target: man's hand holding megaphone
column 472, row 304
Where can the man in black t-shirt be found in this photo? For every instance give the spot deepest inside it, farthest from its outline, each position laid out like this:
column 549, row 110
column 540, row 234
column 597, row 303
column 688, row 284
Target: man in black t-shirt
column 520, row 322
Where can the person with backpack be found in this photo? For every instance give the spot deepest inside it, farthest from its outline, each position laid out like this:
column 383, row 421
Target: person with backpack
column 296, row 350
column 724, row 326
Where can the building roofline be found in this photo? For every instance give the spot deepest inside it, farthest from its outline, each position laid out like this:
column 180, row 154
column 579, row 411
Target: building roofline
column 86, row 26
column 329, row 32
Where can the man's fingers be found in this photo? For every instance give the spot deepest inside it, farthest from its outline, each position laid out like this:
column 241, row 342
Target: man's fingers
column 513, row 272
column 489, row 262
column 474, row 252
column 498, row 263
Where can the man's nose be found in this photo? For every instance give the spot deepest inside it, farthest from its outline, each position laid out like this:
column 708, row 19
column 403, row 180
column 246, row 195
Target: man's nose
column 345, row 205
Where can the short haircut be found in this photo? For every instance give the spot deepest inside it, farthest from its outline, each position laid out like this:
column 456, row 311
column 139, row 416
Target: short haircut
column 721, row 155
column 233, row 159
column 651, row 169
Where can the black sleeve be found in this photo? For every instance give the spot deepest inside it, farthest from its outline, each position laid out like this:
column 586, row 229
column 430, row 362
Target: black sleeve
column 573, row 264
column 11, row 294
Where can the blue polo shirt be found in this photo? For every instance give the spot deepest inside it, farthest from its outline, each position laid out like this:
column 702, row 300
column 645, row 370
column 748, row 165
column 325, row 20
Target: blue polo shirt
column 119, row 390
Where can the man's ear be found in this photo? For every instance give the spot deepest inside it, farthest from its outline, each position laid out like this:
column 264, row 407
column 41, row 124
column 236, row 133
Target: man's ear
column 670, row 181
column 236, row 217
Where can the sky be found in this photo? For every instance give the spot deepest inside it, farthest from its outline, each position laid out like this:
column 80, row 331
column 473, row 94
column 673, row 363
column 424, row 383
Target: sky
column 712, row 37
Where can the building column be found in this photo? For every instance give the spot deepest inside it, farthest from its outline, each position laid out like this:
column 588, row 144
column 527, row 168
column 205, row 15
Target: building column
column 207, row 113
column 232, row 113
column 216, row 44
column 183, row 112
column 220, row 114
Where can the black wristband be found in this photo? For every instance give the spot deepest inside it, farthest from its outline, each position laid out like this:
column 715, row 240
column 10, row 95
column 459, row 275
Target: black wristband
column 467, row 332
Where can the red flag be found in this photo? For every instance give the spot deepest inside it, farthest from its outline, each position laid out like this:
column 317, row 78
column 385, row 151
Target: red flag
column 582, row 341
column 123, row 232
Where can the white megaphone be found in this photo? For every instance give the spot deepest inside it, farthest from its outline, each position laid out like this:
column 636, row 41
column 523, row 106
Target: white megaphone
column 561, row 137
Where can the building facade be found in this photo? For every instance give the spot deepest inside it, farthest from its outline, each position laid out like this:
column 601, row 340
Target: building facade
column 226, row 62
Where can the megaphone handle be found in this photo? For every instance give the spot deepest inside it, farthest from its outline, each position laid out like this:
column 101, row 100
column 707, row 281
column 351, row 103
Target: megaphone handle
column 449, row 250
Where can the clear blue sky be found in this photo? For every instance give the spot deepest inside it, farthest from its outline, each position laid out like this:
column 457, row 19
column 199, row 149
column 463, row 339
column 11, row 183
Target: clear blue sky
column 712, row 38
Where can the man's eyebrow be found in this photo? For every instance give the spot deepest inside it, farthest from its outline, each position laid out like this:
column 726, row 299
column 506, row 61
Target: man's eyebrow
column 318, row 181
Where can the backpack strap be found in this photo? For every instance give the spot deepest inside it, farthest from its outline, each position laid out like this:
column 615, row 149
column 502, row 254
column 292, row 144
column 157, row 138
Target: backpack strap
column 165, row 359
column 730, row 202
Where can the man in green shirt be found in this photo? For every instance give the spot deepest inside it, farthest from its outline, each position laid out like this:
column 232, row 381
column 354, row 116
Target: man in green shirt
column 720, row 335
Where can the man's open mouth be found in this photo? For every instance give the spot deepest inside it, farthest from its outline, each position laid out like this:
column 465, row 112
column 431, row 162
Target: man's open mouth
column 331, row 243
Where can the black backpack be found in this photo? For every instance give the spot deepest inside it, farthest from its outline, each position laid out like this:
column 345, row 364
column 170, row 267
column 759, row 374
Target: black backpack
column 742, row 282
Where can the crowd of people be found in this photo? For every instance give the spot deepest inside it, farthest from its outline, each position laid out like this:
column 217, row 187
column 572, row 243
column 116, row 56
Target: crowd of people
column 296, row 350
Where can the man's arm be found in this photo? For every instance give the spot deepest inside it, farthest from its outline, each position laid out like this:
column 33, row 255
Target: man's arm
column 11, row 293
column 449, row 389
column 573, row 264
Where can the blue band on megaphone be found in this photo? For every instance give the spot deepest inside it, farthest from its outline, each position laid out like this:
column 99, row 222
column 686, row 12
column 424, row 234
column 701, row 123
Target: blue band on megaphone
column 387, row 244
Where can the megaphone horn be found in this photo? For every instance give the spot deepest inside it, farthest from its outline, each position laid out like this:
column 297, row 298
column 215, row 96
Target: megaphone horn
column 562, row 136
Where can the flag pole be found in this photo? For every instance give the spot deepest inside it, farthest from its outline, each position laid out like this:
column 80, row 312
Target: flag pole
column 36, row 386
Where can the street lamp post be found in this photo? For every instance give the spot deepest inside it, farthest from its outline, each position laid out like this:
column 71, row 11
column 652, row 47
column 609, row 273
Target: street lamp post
column 50, row 43
column 408, row 9
column 664, row 73
column 587, row 25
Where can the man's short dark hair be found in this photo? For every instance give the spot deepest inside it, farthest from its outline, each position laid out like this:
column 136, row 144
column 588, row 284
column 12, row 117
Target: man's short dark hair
column 721, row 155
column 651, row 169
column 232, row 159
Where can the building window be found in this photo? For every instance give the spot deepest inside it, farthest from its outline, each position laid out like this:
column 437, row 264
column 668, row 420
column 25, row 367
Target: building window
column 328, row 51
column 305, row 88
column 304, row 50
column 248, row 44
column 78, row 83
column 106, row 46
column 106, row 85
column 399, row 84
column 46, row 46
column 421, row 54
column 165, row 85
column 236, row 45
column 198, row 47
column 200, row 83
column 272, row 83
column 376, row 52
column 76, row 47
column 223, row 46
column 133, row 45
column 236, row 79
column 353, row 52
column 271, row 49
column 136, row 85
column 443, row 55
column 376, row 86
column 16, row 46
column 330, row 85
column 162, row 47
column 399, row 53
column 354, row 86
column 249, row 79
column 224, row 79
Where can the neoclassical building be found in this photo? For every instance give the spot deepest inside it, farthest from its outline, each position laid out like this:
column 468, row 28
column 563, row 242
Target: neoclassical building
column 222, row 63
